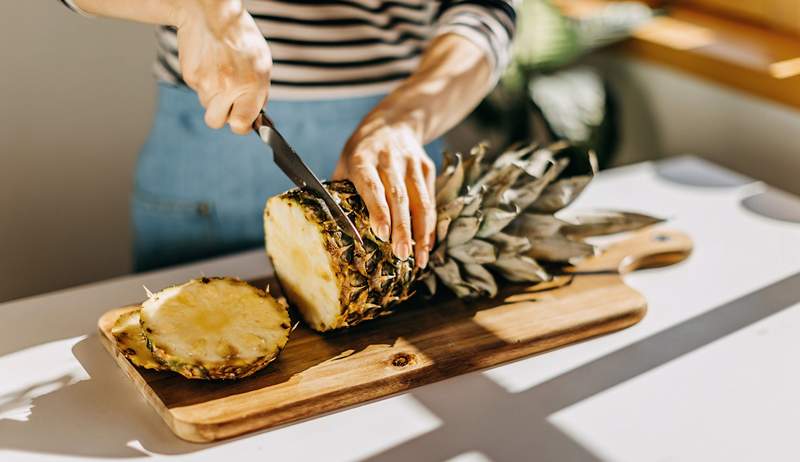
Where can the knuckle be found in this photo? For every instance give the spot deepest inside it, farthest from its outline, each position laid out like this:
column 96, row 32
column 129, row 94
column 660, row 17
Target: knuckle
column 428, row 210
column 404, row 229
column 381, row 212
column 398, row 193
column 385, row 159
column 370, row 185
column 190, row 79
column 360, row 158
column 262, row 70
column 420, row 185
column 225, row 70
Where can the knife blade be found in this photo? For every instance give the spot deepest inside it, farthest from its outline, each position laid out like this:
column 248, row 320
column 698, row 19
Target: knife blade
column 293, row 166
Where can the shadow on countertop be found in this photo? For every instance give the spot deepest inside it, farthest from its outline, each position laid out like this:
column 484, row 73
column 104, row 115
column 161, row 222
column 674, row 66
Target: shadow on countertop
column 70, row 421
column 469, row 412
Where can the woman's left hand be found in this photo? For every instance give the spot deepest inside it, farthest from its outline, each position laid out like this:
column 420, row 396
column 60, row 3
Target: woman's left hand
column 396, row 178
column 384, row 158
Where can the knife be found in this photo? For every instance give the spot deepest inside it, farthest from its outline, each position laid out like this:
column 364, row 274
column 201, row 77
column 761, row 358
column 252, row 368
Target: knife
column 293, row 166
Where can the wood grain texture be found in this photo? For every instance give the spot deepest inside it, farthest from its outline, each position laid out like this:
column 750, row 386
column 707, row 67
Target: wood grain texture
column 424, row 342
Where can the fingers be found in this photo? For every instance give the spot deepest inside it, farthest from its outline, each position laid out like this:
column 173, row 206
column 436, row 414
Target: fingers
column 370, row 187
column 238, row 111
column 218, row 109
column 393, row 177
column 244, row 111
column 396, row 180
column 423, row 211
column 429, row 172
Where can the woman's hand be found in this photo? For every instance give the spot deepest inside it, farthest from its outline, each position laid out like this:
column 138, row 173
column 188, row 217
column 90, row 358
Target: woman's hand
column 223, row 56
column 395, row 177
column 384, row 158
column 225, row 59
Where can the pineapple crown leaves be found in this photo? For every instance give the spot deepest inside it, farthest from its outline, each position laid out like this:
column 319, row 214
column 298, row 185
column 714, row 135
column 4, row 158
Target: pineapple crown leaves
column 498, row 216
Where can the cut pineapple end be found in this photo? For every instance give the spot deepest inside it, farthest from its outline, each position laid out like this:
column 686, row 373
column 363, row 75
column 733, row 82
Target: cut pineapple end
column 305, row 267
column 214, row 328
column 127, row 333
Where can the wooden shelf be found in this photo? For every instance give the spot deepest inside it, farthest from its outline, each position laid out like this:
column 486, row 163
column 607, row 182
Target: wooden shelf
column 735, row 53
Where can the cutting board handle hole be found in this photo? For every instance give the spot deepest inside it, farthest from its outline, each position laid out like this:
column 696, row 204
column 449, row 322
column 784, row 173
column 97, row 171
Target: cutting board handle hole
column 401, row 360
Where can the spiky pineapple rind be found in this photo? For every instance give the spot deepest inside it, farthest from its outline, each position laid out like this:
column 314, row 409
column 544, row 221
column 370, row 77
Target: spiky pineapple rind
column 127, row 333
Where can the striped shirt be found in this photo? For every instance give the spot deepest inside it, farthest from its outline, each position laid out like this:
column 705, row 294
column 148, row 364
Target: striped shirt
column 346, row 48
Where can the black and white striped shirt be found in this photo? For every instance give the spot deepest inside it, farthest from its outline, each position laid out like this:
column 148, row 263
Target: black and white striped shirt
column 345, row 48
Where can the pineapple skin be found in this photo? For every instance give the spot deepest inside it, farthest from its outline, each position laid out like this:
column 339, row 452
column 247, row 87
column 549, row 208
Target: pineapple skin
column 371, row 280
column 130, row 342
column 228, row 372
column 231, row 369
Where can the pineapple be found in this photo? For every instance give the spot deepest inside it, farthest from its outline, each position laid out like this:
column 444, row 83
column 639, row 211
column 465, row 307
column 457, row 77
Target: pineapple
column 128, row 334
column 494, row 218
column 214, row 328
column 331, row 281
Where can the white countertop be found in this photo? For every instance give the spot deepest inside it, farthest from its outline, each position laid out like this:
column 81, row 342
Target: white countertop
column 711, row 373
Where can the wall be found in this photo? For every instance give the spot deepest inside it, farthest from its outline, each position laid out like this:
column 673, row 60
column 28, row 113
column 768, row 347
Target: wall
column 669, row 113
column 77, row 98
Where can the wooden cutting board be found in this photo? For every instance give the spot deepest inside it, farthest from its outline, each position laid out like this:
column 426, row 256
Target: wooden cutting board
column 423, row 342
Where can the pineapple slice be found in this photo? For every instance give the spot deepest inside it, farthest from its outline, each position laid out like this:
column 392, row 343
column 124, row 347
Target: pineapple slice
column 128, row 333
column 214, row 328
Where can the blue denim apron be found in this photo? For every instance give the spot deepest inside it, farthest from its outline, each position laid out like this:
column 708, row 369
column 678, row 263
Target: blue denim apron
column 200, row 192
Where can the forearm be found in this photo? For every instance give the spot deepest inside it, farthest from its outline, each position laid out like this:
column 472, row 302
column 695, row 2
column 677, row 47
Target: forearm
column 217, row 13
column 163, row 12
column 454, row 75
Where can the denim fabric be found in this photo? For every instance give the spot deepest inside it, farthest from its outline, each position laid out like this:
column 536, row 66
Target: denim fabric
column 200, row 192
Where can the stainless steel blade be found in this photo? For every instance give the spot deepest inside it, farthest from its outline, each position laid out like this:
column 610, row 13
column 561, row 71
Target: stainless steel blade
column 293, row 166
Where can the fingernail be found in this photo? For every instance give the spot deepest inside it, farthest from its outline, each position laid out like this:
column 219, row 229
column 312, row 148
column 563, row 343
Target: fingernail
column 383, row 232
column 422, row 259
column 403, row 251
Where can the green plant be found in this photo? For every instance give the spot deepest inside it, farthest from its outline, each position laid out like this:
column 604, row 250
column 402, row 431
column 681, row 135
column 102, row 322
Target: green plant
column 544, row 95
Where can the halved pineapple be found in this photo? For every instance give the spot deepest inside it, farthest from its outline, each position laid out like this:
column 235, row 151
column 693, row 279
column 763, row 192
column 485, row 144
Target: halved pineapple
column 128, row 333
column 331, row 281
column 214, row 328
column 495, row 218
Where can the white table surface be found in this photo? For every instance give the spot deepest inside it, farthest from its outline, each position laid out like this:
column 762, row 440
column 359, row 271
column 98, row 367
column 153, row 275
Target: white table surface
column 711, row 373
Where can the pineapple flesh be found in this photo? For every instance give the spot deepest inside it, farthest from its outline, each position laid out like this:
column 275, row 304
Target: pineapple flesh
column 128, row 334
column 494, row 218
column 214, row 328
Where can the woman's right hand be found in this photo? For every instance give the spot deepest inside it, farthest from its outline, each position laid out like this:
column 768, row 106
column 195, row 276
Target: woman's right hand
column 225, row 59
